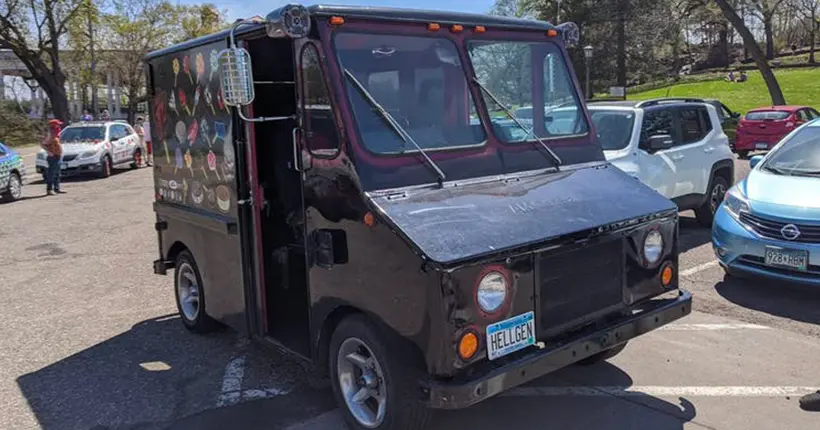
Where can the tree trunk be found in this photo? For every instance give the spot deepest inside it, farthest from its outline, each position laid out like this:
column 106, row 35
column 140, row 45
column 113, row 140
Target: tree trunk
column 767, row 28
column 813, row 34
column 621, row 41
column 93, row 58
column 723, row 37
column 751, row 44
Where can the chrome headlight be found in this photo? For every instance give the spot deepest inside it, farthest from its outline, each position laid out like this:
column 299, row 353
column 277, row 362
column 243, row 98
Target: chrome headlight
column 735, row 201
column 88, row 154
column 653, row 246
column 491, row 292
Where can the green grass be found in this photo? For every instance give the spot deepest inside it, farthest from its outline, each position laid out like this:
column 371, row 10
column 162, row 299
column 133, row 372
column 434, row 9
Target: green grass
column 800, row 87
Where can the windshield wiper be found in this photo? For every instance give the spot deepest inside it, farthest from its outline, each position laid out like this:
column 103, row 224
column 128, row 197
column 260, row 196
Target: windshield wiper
column 515, row 119
column 394, row 125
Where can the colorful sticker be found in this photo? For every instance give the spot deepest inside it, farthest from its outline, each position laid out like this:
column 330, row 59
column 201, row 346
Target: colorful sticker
column 223, row 198
column 200, row 67
column 183, row 101
column 180, row 131
column 205, row 130
column 178, row 154
column 175, row 64
column 219, row 102
column 172, row 102
column 228, row 159
column 196, row 98
column 219, row 128
column 212, row 164
column 197, row 193
column 209, row 101
column 214, row 65
column 193, row 132
column 186, row 67
column 184, row 191
column 189, row 161
column 210, row 195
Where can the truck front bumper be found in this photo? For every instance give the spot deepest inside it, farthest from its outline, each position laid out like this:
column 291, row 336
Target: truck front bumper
column 647, row 317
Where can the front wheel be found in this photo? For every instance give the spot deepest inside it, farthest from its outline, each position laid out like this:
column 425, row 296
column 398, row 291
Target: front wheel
column 15, row 188
column 190, row 296
column 371, row 381
column 705, row 214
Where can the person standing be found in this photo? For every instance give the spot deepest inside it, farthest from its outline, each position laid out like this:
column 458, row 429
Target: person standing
column 105, row 116
column 87, row 116
column 149, row 152
column 54, row 150
column 139, row 127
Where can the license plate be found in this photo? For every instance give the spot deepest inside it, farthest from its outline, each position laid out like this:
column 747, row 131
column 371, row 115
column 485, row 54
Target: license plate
column 761, row 145
column 787, row 258
column 63, row 166
column 510, row 335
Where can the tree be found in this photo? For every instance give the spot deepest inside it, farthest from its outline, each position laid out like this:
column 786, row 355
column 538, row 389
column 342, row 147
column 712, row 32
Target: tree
column 83, row 38
column 32, row 30
column 765, row 11
column 811, row 13
column 754, row 50
column 200, row 20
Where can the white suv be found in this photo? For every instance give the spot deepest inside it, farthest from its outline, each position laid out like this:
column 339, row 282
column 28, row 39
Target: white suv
column 676, row 146
column 95, row 147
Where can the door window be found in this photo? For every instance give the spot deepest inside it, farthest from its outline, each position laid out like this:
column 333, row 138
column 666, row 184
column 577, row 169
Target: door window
column 322, row 135
column 656, row 122
column 693, row 124
column 813, row 114
column 802, row 115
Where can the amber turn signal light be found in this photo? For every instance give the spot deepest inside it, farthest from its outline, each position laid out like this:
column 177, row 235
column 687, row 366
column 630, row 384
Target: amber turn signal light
column 336, row 20
column 457, row 28
column 369, row 219
column 666, row 275
column 468, row 345
column 552, row 33
column 433, row 26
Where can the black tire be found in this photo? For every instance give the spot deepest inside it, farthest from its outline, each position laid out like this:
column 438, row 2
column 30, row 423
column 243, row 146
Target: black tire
column 743, row 154
column 14, row 190
column 603, row 355
column 403, row 410
column 105, row 167
column 705, row 214
column 201, row 322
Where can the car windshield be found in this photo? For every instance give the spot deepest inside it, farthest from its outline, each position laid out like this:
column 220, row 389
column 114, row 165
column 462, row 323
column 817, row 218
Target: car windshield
column 797, row 156
column 613, row 127
column 419, row 81
column 771, row 115
column 75, row 134
column 516, row 73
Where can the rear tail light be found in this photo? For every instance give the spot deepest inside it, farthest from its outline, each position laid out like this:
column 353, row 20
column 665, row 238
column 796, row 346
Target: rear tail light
column 468, row 345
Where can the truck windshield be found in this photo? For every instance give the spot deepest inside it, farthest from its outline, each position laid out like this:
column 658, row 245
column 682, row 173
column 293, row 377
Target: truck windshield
column 419, row 81
column 515, row 72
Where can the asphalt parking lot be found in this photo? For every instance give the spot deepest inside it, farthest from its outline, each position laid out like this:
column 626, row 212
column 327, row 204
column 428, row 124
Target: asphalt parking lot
column 89, row 340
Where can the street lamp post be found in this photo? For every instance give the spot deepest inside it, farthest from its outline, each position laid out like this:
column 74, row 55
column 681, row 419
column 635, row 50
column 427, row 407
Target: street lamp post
column 587, row 58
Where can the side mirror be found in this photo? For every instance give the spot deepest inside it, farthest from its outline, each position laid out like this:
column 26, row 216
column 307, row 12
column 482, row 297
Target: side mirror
column 658, row 142
column 735, row 115
column 754, row 161
column 329, row 247
column 237, row 76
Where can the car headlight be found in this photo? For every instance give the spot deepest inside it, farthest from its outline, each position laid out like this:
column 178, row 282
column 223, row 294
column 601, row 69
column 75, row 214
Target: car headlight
column 491, row 292
column 653, row 246
column 735, row 201
column 88, row 154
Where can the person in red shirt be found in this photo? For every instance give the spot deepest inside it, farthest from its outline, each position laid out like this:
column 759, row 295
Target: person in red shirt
column 54, row 150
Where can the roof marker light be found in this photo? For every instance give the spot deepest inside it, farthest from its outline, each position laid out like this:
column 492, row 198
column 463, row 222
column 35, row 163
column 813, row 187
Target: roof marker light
column 480, row 29
column 457, row 28
column 433, row 26
column 336, row 20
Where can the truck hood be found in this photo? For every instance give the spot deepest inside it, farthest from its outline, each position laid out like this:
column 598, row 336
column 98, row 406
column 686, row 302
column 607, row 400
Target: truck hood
column 453, row 224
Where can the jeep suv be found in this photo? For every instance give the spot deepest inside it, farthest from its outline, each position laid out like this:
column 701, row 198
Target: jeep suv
column 675, row 146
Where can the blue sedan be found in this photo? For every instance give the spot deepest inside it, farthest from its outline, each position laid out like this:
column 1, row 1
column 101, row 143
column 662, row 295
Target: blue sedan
column 769, row 224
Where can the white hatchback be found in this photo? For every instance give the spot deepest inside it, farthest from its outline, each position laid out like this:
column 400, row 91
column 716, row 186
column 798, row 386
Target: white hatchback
column 676, row 146
column 95, row 147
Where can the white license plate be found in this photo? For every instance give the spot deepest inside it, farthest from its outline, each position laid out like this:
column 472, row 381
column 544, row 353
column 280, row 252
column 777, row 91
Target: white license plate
column 761, row 145
column 787, row 258
column 510, row 335
column 63, row 166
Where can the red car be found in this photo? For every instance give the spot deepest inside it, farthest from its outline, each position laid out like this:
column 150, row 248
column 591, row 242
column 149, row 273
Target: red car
column 762, row 128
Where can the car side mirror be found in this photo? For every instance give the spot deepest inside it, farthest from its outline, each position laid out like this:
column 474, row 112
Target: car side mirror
column 754, row 161
column 329, row 247
column 735, row 115
column 658, row 142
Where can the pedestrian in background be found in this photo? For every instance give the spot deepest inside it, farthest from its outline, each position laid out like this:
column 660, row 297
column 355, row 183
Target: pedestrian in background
column 54, row 151
column 149, row 151
column 87, row 116
column 139, row 127
column 105, row 116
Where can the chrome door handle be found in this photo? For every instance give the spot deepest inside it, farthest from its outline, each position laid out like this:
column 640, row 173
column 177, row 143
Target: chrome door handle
column 296, row 153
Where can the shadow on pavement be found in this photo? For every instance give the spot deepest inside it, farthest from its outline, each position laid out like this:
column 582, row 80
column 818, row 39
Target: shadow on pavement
column 145, row 377
column 692, row 234
column 776, row 298
column 576, row 397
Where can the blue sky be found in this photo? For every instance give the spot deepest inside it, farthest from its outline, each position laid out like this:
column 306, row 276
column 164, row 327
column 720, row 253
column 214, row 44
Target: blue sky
column 245, row 8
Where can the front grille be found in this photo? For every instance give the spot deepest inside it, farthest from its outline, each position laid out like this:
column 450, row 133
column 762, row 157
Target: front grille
column 576, row 286
column 771, row 229
column 69, row 157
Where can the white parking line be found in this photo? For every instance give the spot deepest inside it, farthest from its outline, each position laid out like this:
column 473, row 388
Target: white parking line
column 659, row 391
column 232, row 382
column 699, row 268
column 708, row 327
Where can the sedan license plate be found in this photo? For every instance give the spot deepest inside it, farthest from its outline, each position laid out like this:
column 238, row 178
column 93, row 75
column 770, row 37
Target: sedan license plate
column 761, row 145
column 510, row 335
column 63, row 166
column 787, row 258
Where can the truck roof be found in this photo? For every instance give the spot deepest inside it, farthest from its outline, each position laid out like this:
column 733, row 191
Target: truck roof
column 378, row 14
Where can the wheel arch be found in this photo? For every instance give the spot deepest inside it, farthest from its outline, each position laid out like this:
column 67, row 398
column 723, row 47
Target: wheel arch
column 173, row 252
column 724, row 169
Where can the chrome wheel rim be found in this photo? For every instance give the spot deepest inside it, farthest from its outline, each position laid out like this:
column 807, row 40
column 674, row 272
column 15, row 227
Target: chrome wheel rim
column 15, row 187
column 717, row 196
column 361, row 382
column 188, row 291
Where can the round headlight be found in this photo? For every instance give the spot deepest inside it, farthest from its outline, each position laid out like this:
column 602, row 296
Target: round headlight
column 653, row 247
column 492, row 292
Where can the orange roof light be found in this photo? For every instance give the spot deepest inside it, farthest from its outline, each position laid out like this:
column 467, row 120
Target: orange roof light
column 369, row 219
column 457, row 28
column 433, row 26
column 480, row 29
column 336, row 20
column 468, row 345
column 666, row 275
column 552, row 32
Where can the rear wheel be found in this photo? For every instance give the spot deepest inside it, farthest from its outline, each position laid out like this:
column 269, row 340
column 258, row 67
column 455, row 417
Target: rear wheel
column 372, row 381
column 705, row 214
column 603, row 355
column 15, row 188
column 190, row 296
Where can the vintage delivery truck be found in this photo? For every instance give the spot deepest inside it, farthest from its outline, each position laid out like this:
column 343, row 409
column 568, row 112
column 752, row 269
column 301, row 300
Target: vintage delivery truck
column 352, row 185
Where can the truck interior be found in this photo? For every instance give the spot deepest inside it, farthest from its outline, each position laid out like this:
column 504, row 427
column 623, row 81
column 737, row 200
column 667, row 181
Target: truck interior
column 283, row 231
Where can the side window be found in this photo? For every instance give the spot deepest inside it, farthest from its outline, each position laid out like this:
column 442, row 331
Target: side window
column 321, row 133
column 691, row 125
column 724, row 112
column 705, row 120
column 813, row 114
column 802, row 116
column 656, row 122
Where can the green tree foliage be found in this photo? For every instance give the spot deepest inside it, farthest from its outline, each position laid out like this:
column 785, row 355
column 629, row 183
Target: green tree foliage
column 200, row 20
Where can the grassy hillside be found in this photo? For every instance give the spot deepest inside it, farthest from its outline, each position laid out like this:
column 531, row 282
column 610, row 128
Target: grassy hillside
column 800, row 86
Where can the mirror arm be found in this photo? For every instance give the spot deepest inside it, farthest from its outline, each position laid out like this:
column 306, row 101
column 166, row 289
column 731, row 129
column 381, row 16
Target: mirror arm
column 263, row 118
